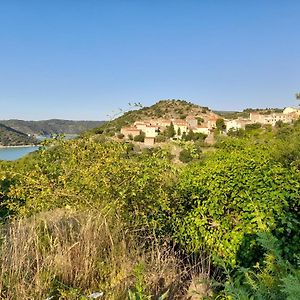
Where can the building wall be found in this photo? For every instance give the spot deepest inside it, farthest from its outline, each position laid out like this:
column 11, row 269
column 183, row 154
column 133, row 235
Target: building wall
column 292, row 111
column 204, row 130
column 237, row 124
column 270, row 119
column 211, row 124
column 183, row 128
column 149, row 141
column 151, row 131
column 130, row 131
column 192, row 122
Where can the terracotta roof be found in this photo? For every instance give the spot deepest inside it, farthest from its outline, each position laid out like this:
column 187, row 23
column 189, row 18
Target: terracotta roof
column 180, row 122
column 139, row 123
column 131, row 128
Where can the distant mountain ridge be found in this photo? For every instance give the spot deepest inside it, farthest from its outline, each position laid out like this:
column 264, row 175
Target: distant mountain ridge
column 12, row 137
column 48, row 127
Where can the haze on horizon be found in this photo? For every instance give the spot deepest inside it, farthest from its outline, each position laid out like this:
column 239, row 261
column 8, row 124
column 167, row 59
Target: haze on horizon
column 83, row 60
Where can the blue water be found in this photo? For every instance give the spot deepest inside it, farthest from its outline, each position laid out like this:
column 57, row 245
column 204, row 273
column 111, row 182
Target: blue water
column 15, row 153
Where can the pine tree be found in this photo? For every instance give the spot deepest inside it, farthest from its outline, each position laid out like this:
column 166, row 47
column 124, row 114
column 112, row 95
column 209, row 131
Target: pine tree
column 178, row 131
column 171, row 131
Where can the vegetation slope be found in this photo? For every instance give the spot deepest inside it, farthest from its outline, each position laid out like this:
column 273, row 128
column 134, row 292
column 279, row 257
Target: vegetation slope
column 95, row 218
column 48, row 127
column 166, row 109
column 12, row 137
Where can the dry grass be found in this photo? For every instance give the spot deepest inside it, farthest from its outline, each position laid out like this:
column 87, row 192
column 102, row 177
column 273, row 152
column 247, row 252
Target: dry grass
column 69, row 254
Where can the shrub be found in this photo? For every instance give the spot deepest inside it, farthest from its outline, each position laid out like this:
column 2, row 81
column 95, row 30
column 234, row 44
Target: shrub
column 274, row 278
column 220, row 124
column 120, row 136
column 160, row 139
column 200, row 120
column 224, row 201
column 139, row 138
column 84, row 173
column 194, row 136
column 236, row 132
column 185, row 156
column 252, row 126
column 99, row 131
column 170, row 131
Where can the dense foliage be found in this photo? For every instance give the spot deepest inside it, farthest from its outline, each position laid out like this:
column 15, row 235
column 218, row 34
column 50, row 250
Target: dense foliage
column 223, row 202
column 234, row 210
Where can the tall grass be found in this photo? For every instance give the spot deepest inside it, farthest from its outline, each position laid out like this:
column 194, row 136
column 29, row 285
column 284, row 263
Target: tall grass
column 69, row 255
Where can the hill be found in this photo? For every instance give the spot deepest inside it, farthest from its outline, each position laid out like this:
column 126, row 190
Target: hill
column 165, row 109
column 12, row 137
column 246, row 112
column 48, row 127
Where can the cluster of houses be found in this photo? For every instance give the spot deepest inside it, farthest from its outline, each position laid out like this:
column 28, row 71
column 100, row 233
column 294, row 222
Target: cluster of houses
column 152, row 128
column 287, row 116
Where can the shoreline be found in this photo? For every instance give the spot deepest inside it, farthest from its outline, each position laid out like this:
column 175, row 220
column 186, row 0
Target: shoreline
column 18, row 146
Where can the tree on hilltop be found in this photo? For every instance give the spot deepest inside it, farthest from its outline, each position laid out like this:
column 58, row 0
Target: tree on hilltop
column 298, row 96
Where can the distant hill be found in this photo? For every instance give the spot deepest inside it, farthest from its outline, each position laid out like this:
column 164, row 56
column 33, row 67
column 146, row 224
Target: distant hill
column 12, row 137
column 166, row 109
column 246, row 112
column 48, row 127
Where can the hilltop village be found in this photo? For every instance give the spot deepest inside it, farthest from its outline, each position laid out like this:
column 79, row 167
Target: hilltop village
column 205, row 125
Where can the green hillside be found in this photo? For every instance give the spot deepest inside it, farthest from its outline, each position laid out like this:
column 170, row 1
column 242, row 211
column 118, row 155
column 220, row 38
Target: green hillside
column 167, row 109
column 53, row 126
column 12, row 137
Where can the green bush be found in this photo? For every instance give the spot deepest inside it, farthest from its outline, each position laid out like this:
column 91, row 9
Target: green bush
column 139, row 138
column 236, row 132
column 193, row 136
column 225, row 200
column 274, row 278
column 160, row 139
column 252, row 126
column 185, row 156
column 84, row 173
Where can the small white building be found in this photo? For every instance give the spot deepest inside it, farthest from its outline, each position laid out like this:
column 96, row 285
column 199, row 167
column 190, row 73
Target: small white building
column 236, row 124
column 130, row 131
column 291, row 110
column 163, row 123
column 203, row 128
column 271, row 118
column 151, row 131
column 140, row 125
column 180, row 124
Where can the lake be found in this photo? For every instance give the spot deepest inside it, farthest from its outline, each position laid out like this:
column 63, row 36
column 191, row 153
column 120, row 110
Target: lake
column 14, row 153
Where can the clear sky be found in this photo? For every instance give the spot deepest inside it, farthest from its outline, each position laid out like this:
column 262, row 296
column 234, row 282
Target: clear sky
column 84, row 59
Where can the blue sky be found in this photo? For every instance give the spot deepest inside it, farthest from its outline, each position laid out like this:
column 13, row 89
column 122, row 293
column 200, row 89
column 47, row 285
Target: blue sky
column 85, row 59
